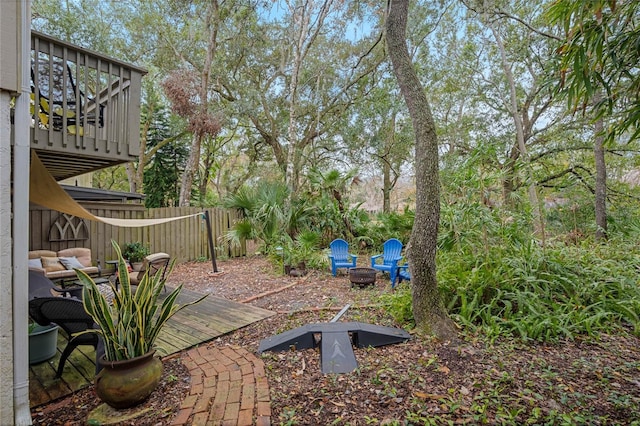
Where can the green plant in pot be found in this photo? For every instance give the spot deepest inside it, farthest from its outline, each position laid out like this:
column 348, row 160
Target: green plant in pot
column 135, row 253
column 129, row 328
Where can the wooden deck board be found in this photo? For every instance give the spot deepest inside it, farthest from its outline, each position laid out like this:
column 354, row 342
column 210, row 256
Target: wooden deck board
column 191, row 326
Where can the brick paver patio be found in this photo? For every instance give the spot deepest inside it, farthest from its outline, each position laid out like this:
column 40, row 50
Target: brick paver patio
column 228, row 388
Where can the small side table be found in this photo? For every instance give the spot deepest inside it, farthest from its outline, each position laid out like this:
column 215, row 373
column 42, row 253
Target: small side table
column 114, row 263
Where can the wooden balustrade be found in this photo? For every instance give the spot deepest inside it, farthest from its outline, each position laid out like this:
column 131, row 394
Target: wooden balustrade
column 85, row 107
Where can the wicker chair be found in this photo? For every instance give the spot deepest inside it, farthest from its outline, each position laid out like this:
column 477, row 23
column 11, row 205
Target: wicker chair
column 41, row 286
column 69, row 314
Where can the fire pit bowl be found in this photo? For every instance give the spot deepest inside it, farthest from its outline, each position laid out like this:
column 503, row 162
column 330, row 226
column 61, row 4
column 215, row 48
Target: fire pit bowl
column 362, row 276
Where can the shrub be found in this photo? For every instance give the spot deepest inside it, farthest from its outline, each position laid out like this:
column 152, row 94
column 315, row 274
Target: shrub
column 541, row 294
column 135, row 251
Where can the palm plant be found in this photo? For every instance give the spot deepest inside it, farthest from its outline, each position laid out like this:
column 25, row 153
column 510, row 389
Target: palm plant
column 306, row 248
column 329, row 190
column 264, row 216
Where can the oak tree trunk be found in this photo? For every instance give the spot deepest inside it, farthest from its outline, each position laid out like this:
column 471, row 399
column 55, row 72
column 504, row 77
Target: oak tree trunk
column 428, row 308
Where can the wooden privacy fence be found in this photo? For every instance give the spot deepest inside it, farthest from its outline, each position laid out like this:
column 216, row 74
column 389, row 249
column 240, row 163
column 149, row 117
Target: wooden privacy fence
column 184, row 239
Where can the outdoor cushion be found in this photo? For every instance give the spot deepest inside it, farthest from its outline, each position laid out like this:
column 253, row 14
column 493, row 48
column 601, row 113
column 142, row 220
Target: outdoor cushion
column 52, row 264
column 35, row 263
column 83, row 255
column 37, row 254
column 71, row 262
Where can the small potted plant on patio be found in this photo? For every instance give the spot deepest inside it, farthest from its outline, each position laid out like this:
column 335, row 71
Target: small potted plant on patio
column 135, row 253
column 129, row 328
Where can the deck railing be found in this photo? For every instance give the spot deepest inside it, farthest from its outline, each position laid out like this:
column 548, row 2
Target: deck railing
column 83, row 103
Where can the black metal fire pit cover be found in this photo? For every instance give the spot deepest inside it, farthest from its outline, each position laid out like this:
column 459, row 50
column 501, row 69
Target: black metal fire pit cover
column 336, row 352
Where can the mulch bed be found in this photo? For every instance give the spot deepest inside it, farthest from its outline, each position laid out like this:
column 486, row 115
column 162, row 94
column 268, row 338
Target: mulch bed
column 418, row 382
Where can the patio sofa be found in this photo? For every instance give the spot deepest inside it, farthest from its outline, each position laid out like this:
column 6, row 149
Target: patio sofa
column 61, row 264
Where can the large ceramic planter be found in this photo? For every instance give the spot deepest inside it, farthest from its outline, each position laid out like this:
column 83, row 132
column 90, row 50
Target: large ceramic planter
column 123, row 384
column 43, row 342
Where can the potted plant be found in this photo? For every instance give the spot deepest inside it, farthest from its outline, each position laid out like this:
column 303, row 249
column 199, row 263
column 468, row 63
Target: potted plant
column 135, row 253
column 43, row 342
column 129, row 328
column 304, row 249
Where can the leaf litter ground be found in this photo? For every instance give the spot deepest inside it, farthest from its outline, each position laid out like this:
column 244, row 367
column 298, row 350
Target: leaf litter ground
column 584, row 381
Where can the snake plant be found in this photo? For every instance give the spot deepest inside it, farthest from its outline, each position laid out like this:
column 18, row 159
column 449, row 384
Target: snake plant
column 130, row 325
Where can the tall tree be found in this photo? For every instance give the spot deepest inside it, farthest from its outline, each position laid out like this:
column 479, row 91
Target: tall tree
column 307, row 23
column 514, row 110
column 378, row 136
column 188, row 88
column 428, row 308
column 155, row 134
column 516, row 85
column 309, row 78
column 161, row 166
column 600, row 188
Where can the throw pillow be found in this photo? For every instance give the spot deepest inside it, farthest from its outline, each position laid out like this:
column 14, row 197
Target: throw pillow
column 35, row 263
column 71, row 262
column 52, row 264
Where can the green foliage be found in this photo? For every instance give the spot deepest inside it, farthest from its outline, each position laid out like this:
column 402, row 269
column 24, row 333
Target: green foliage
column 529, row 292
column 331, row 223
column 135, row 251
column 398, row 305
column 262, row 208
column 388, row 225
column 328, row 192
column 310, row 223
column 496, row 279
column 111, row 178
column 305, row 248
column 599, row 56
column 131, row 325
column 162, row 175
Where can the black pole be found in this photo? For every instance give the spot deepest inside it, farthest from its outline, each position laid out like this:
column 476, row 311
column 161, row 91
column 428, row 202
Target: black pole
column 212, row 249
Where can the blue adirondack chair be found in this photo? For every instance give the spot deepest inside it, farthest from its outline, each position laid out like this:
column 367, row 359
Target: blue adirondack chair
column 340, row 256
column 391, row 254
column 403, row 273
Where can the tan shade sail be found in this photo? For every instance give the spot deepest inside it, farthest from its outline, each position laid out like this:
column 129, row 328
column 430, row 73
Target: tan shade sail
column 45, row 191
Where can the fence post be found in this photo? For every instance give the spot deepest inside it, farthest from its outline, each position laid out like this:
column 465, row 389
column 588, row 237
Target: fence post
column 211, row 247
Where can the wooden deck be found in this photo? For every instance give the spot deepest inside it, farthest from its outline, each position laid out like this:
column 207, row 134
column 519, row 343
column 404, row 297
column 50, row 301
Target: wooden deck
column 193, row 325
